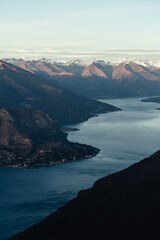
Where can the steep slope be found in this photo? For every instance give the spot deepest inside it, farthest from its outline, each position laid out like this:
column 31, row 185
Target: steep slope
column 124, row 205
column 118, row 70
column 143, row 72
column 156, row 71
column 105, row 67
column 42, row 67
column 102, row 80
column 20, row 88
column 121, row 72
column 133, row 71
column 99, row 79
column 32, row 139
column 93, row 70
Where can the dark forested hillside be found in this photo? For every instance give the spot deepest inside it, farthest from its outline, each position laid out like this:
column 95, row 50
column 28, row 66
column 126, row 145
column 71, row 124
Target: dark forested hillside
column 21, row 89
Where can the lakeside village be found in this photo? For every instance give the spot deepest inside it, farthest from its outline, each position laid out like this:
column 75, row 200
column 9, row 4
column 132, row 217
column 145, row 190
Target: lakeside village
column 47, row 155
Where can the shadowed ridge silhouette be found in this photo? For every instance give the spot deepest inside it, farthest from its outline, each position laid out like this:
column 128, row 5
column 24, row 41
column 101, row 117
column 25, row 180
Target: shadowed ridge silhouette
column 124, row 205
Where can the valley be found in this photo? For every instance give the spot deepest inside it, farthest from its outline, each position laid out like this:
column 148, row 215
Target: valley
column 22, row 89
column 99, row 79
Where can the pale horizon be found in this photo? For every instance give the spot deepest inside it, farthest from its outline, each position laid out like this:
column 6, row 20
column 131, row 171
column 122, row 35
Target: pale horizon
column 108, row 55
column 68, row 30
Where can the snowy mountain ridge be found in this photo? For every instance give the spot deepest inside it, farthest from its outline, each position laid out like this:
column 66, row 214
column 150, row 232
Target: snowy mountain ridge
column 151, row 63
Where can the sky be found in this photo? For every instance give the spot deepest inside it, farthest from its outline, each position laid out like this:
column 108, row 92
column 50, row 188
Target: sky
column 86, row 29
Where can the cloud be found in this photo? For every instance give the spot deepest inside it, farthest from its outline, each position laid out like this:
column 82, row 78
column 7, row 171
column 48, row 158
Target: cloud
column 35, row 51
column 133, row 51
column 69, row 53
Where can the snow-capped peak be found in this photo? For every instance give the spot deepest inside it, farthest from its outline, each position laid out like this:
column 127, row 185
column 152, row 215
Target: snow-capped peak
column 151, row 63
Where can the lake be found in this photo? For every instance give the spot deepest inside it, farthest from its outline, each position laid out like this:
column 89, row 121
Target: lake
column 28, row 195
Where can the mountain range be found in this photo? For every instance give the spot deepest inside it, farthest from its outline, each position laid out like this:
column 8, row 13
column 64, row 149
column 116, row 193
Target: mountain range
column 124, row 205
column 22, row 89
column 98, row 78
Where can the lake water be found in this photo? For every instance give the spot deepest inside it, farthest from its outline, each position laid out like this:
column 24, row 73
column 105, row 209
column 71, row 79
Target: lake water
column 28, row 195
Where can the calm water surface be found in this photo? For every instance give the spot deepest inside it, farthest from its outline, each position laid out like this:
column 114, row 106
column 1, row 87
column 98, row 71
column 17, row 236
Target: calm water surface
column 28, row 195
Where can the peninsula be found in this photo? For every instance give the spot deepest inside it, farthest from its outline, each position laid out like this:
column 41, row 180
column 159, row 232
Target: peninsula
column 32, row 139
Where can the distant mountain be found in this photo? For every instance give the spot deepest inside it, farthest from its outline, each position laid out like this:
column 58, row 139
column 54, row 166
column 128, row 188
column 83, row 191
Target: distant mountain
column 99, row 79
column 32, row 139
column 93, row 70
column 133, row 71
column 124, row 205
column 22, row 89
column 150, row 63
column 154, row 99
